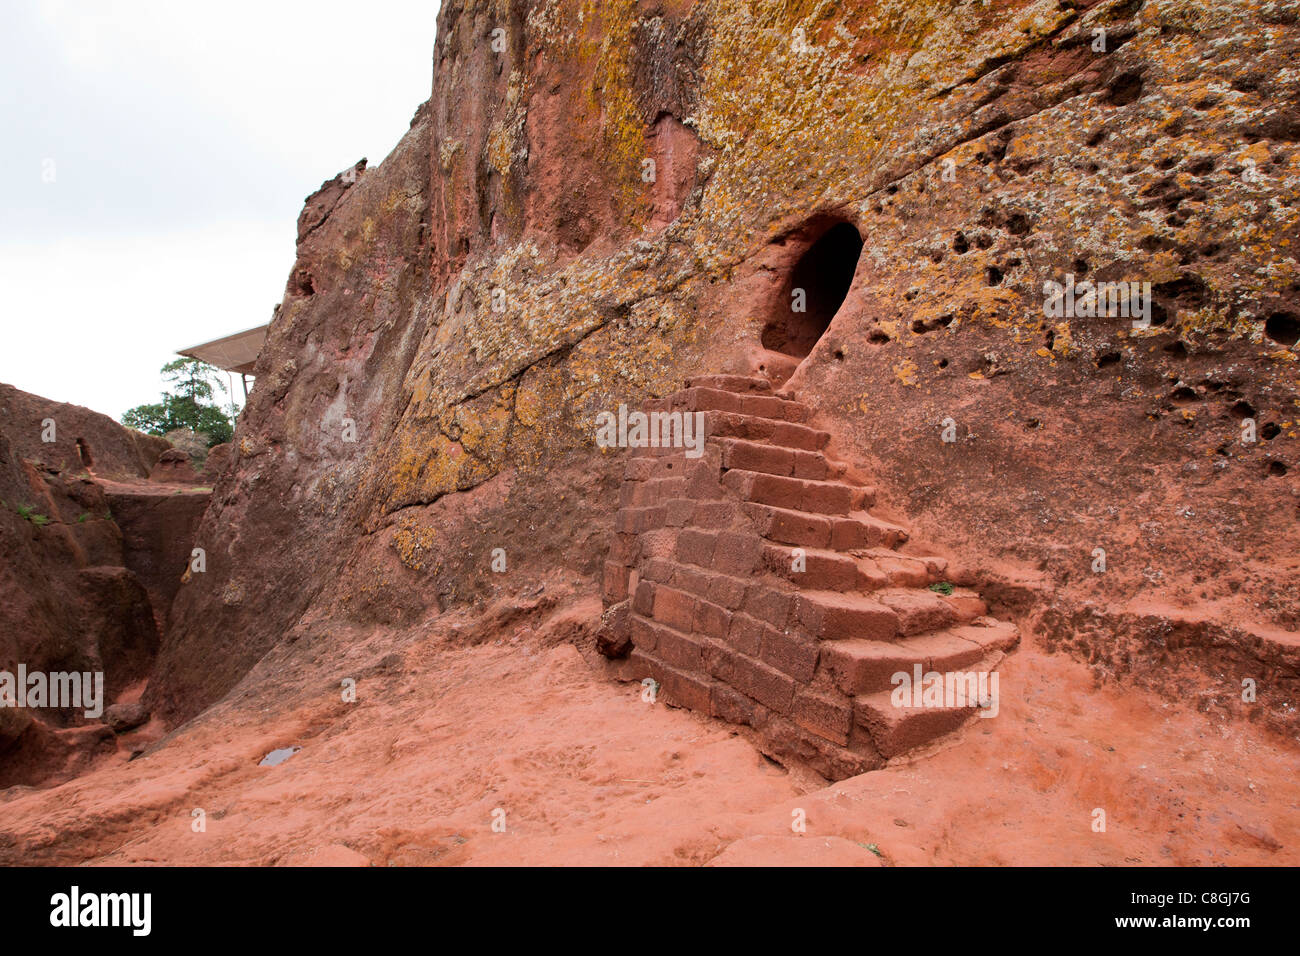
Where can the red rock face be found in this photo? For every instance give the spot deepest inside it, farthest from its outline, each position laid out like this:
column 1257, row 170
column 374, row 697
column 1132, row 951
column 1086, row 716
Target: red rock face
column 175, row 466
column 329, row 384
column 158, row 528
column 70, row 438
column 70, row 596
column 458, row 316
column 836, row 226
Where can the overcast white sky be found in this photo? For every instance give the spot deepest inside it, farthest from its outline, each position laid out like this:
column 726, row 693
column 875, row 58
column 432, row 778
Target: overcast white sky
column 182, row 139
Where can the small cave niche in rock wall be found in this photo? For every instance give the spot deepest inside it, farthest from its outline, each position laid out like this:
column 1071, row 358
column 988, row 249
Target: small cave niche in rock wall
column 814, row 290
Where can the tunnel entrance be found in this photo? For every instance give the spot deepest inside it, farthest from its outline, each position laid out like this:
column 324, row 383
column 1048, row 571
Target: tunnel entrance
column 814, row 291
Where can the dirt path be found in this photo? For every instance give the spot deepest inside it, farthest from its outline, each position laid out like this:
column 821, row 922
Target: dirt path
column 588, row 773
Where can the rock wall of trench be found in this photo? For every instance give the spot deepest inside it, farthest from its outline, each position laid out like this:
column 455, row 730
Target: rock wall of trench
column 71, row 599
column 458, row 315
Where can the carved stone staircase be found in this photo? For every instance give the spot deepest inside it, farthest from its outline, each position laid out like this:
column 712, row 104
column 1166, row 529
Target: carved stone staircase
column 754, row 584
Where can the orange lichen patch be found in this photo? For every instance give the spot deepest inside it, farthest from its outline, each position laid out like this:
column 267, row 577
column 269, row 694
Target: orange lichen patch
column 413, row 545
column 1063, row 343
column 544, row 427
column 453, row 452
column 600, row 47
column 997, row 307
column 537, row 395
column 905, row 372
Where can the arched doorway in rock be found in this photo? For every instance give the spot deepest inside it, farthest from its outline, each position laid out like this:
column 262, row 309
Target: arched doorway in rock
column 819, row 266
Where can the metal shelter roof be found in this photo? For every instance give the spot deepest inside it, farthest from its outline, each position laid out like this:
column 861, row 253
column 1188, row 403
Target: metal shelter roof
column 234, row 353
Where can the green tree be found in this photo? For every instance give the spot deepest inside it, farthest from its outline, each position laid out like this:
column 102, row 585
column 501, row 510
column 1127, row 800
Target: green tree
column 189, row 403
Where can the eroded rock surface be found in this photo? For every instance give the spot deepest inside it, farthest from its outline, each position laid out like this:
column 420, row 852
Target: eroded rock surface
column 68, row 438
column 70, row 600
column 459, row 314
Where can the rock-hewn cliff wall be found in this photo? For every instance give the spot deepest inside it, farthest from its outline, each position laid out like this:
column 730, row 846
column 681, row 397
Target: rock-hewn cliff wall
column 601, row 199
column 69, row 602
column 78, row 441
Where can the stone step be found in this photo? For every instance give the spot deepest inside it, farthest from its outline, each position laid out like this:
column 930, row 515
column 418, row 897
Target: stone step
column 647, row 464
column 716, row 399
column 772, row 460
column 635, row 520
column 862, row 530
column 702, row 570
column 834, row 616
column 859, row 666
column 728, row 551
column 798, row 494
column 907, row 571
column 920, row 610
column 896, row 730
column 731, row 383
column 655, row 491
column 791, row 527
column 823, row 570
column 834, row 532
column 870, row 577
column 753, row 428
column 989, row 633
column 727, row 591
column 968, row 605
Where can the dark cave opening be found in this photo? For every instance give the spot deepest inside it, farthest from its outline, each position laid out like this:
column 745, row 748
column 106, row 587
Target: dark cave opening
column 814, row 292
column 1283, row 328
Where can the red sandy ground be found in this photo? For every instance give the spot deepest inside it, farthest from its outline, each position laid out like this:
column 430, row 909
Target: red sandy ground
column 587, row 773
